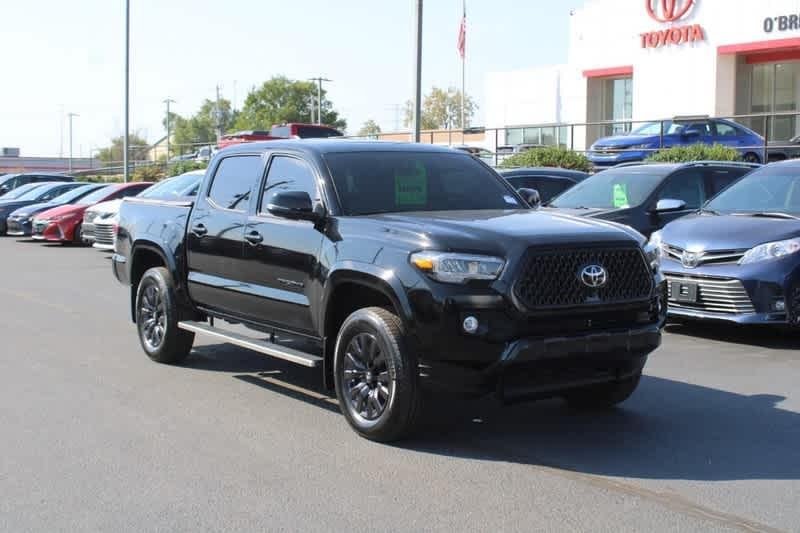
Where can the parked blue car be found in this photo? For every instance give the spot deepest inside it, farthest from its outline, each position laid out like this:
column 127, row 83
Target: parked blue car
column 646, row 139
column 738, row 259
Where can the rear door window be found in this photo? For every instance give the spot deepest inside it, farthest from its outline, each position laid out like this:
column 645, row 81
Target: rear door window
column 233, row 181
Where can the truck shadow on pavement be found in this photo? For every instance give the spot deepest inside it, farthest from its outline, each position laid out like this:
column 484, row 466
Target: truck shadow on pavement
column 668, row 430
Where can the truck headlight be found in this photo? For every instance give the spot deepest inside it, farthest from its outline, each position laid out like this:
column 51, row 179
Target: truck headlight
column 458, row 268
column 770, row 250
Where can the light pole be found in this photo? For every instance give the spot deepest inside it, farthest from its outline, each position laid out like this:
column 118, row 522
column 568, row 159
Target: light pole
column 71, row 115
column 126, row 139
column 418, row 72
column 168, row 101
column 319, row 81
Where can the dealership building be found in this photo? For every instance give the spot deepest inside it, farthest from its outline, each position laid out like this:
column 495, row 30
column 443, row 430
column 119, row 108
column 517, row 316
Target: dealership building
column 638, row 60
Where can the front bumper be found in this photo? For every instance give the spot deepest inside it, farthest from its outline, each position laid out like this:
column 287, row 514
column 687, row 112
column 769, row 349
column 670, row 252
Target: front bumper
column 19, row 227
column 609, row 159
column 759, row 293
column 53, row 231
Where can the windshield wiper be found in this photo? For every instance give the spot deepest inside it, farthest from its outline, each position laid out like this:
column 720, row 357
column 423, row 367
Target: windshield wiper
column 709, row 211
column 767, row 214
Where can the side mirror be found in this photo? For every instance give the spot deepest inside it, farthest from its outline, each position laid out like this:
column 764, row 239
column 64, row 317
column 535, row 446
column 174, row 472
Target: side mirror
column 532, row 197
column 4, row 189
column 295, row 205
column 669, row 205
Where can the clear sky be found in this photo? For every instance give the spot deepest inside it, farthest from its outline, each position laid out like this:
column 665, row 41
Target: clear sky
column 68, row 56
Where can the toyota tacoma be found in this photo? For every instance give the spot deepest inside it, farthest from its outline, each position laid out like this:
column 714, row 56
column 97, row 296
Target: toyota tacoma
column 396, row 270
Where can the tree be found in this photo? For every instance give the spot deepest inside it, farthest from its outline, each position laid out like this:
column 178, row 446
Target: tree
column 369, row 129
column 442, row 110
column 137, row 149
column 201, row 128
column 280, row 100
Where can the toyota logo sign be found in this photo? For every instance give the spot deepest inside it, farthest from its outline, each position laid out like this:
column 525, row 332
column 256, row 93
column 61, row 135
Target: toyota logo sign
column 594, row 276
column 668, row 10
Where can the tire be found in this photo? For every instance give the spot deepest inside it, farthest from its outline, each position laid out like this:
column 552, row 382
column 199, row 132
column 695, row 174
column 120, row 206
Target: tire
column 750, row 157
column 157, row 316
column 77, row 238
column 376, row 376
column 604, row 396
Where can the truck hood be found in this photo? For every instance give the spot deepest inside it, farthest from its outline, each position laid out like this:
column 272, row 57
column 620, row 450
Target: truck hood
column 620, row 141
column 491, row 231
column 727, row 232
column 590, row 212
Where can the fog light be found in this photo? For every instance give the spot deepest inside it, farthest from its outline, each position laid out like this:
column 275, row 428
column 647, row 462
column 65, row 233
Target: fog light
column 779, row 305
column 470, row 324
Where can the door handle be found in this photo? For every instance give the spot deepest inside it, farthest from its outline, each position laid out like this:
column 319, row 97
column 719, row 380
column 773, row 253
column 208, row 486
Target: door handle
column 200, row 230
column 254, row 238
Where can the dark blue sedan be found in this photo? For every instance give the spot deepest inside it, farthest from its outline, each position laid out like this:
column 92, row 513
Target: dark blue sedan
column 738, row 259
column 648, row 138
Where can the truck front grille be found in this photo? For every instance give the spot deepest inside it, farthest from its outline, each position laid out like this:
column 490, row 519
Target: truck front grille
column 104, row 234
column 551, row 278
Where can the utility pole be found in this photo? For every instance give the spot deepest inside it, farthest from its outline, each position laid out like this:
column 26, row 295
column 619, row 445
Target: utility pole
column 168, row 101
column 61, row 131
column 319, row 81
column 418, row 72
column 126, row 138
column 218, row 116
column 71, row 115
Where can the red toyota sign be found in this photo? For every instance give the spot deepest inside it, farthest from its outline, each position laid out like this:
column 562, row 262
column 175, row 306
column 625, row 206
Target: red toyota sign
column 667, row 12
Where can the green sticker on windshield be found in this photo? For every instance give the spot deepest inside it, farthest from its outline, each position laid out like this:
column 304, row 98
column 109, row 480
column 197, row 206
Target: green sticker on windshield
column 620, row 195
column 411, row 188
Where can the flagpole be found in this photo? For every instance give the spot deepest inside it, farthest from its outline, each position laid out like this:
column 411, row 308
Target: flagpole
column 463, row 72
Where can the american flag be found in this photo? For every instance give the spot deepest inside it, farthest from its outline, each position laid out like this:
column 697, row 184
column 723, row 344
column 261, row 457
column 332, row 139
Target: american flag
column 462, row 36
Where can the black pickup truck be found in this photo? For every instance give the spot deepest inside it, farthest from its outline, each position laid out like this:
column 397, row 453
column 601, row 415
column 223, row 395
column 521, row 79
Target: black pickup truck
column 397, row 270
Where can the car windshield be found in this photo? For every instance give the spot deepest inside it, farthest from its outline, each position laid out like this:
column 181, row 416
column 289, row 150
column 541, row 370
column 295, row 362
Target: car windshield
column 392, row 182
column 74, row 194
column 173, row 187
column 654, row 128
column 38, row 192
column 766, row 190
column 19, row 192
column 613, row 189
column 97, row 195
column 307, row 132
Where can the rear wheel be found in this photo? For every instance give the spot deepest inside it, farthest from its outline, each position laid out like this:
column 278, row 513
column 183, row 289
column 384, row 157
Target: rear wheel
column 157, row 317
column 751, row 157
column 603, row 396
column 376, row 376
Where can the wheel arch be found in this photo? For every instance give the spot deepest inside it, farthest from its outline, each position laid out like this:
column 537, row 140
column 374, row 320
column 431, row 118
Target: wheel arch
column 144, row 256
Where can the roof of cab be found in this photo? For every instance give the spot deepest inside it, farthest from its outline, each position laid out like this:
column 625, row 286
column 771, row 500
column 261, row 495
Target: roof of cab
column 322, row 146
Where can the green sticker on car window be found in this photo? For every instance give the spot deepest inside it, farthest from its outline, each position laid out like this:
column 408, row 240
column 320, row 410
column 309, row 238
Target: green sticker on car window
column 620, row 195
column 411, row 187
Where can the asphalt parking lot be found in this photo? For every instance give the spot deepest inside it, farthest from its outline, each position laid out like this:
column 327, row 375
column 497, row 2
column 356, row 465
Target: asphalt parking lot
column 97, row 437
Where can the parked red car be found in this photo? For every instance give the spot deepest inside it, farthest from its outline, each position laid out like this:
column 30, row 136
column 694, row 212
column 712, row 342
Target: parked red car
column 63, row 223
column 284, row 131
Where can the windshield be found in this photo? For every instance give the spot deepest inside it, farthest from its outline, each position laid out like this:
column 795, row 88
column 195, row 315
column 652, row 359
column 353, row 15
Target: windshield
column 19, row 192
column 173, row 187
column 74, row 194
column 767, row 190
column 307, row 132
column 37, row 192
column 612, row 189
column 97, row 195
column 393, row 182
column 654, row 128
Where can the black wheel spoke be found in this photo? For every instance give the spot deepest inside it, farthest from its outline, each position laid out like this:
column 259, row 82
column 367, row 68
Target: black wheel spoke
column 366, row 377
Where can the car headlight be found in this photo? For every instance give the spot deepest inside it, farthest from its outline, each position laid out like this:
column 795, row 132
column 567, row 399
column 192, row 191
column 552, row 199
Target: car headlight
column 654, row 249
column 770, row 250
column 458, row 268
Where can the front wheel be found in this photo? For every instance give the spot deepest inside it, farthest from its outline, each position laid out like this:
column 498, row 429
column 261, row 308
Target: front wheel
column 376, row 376
column 603, row 396
column 750, row 157
column 157, row 316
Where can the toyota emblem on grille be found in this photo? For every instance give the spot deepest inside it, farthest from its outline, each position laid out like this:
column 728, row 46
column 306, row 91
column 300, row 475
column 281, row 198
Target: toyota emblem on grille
column 690, row 259
column 594, row 276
